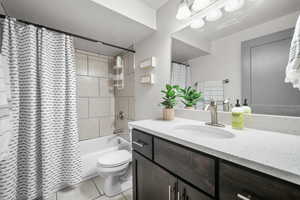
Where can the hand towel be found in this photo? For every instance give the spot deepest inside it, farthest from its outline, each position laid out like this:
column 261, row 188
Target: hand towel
column 293, row 67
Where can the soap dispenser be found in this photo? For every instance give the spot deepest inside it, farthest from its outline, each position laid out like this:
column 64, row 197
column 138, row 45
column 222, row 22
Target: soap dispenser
column 246, row 107
column 237, row 116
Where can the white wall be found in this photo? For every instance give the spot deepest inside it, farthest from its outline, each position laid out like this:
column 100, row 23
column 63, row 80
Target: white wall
column 133, row 9
column 225, row 59
column 158, row 45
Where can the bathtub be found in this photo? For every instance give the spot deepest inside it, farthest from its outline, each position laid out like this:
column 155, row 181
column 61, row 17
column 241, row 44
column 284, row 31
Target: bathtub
column 91, row 150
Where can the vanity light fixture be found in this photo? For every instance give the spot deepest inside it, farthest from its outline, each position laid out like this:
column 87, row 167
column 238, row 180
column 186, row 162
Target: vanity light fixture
column 233, row 5
column 197, row 23
column 200, row 4
column 184, row 11
column 214, row 15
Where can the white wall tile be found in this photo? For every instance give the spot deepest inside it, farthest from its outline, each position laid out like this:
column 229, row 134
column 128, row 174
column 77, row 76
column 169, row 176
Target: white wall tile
column 83, row 108
column 128, row 89
column 97, row 67
column 88, row 86
column 106, row 87
column 112, row 106
column 123, row 105
column 99, row 107
column 107, row 126
column 88, row 129
column 96, row 102
column 122, row 124
column 131, row 108
column 81, row 64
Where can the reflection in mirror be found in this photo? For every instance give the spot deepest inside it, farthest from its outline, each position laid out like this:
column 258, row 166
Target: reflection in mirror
column 242, row 55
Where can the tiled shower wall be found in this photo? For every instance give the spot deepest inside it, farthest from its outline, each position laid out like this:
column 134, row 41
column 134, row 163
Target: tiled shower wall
column 125, row 100
column 95, row 95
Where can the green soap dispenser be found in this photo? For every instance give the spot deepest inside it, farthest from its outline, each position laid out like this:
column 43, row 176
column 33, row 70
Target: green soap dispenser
column 237, row 116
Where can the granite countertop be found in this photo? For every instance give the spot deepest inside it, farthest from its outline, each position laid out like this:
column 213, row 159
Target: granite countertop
column 273, row 153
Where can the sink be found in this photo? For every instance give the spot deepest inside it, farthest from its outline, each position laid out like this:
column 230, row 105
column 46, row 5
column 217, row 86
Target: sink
column 198, row 131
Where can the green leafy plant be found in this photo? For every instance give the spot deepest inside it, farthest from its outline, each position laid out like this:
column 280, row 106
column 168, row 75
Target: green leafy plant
column 170, row 95
column 190, row 96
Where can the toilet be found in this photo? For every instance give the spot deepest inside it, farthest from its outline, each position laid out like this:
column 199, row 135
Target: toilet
column 112, row 166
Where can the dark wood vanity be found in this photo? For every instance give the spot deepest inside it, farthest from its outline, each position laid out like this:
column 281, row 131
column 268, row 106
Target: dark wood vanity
column 163, row 170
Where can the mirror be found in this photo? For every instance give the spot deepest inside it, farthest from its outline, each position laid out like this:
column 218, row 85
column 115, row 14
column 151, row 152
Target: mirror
column 242, row 55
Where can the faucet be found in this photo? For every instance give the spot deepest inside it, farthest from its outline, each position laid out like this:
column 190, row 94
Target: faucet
column 214, row 114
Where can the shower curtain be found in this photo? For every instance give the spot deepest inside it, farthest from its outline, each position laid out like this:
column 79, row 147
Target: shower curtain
column 43, row 153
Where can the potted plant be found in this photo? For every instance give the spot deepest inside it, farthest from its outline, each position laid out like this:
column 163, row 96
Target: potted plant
column 169, row 101
column 190, row 97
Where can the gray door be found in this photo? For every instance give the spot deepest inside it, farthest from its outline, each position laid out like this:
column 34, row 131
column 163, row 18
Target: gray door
column 264, row 61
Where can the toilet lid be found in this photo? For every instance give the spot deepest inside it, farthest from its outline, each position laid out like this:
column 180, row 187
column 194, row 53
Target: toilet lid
column 114, row 158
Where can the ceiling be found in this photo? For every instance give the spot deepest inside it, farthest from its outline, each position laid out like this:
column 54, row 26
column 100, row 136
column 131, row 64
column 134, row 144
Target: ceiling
column 82, row 17
column 155, row 4
column 252, row 14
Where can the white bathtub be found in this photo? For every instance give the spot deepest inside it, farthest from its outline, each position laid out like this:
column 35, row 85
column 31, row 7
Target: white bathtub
column 91, row 150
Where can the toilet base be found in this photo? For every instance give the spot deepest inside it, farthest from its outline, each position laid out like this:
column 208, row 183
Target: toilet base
column 113, row 186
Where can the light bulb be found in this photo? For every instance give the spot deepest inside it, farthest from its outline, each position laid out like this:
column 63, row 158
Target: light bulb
column 214, row 15
column 197, row 23
column 200, row 4
column 183, row 11
column 233, row 5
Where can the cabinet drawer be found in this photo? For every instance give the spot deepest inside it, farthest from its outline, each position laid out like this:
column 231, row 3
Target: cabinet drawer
column 142, row 143
column 193, row 167
column 242, row 184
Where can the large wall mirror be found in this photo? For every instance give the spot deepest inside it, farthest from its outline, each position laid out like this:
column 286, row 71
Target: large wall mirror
column 242, row 55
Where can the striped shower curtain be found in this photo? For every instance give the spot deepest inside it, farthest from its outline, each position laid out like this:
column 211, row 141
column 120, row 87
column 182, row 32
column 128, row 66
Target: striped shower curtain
column 43, row 152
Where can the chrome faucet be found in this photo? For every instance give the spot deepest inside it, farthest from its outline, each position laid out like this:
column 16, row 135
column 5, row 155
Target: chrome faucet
column 214, row 114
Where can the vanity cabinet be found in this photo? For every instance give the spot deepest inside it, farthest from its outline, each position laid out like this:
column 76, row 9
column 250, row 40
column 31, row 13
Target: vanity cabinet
column 244, row 184
column 187, row 192
column 196, row 168
column 164, row 170
column 151, row 182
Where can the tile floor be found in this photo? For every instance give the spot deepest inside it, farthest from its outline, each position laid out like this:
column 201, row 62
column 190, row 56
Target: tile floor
column 89, row 190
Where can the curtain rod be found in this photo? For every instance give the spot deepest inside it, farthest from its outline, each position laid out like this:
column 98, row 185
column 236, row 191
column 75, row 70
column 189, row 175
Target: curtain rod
column 72, row 34
column 181, row 63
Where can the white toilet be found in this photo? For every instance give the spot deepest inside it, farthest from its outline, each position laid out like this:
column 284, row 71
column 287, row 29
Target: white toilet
column 112, row 166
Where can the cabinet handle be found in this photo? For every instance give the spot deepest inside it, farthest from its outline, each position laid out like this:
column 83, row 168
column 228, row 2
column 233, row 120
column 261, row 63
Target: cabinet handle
column 170, row 192
column 242, row 197
column 178, row 195
column 138, row 144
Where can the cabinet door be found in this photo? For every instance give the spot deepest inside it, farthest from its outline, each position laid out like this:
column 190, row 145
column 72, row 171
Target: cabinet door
column 150, row 182
column 187, row 192
column 196, row 168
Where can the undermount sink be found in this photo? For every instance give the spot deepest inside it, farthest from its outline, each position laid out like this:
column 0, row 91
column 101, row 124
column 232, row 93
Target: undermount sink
column 198, row 131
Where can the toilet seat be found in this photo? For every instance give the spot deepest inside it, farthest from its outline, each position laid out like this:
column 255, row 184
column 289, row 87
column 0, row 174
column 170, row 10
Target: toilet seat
column 114, row 159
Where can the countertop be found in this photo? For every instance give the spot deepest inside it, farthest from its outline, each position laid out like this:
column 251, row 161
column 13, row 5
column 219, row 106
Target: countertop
column 273, row 153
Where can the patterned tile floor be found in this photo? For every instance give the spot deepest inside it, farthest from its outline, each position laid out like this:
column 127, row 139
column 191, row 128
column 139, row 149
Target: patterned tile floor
column 89, row 190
